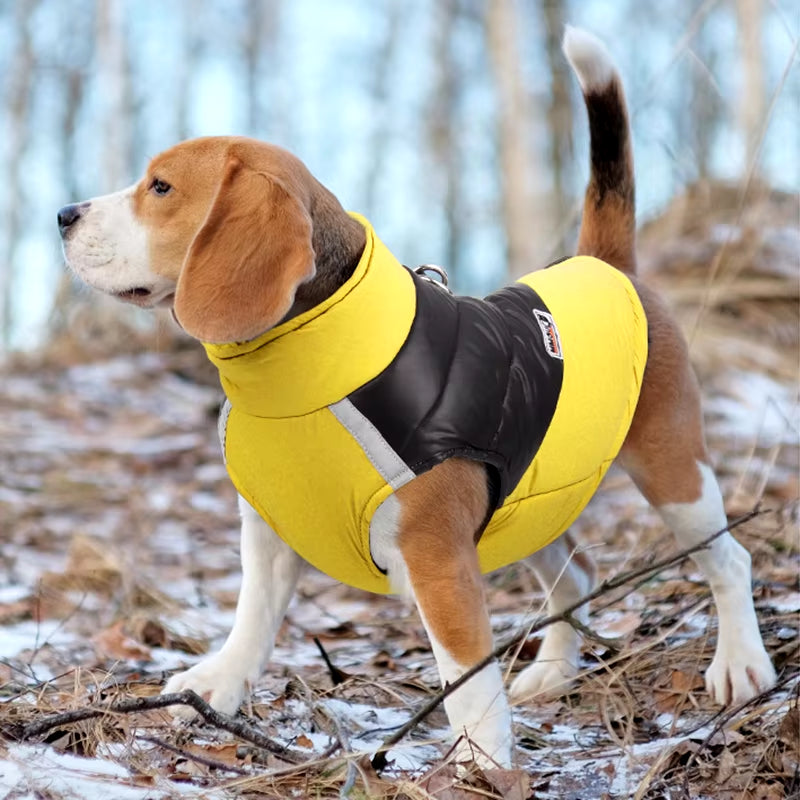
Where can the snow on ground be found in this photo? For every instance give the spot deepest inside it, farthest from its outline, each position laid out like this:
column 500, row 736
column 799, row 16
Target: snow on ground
column 30, row 773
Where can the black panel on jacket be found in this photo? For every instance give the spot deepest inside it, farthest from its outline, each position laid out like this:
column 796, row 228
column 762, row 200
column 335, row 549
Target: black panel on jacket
column 474, row 379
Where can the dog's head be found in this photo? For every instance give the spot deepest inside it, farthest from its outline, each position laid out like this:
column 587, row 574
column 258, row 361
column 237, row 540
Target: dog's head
column 218, row 227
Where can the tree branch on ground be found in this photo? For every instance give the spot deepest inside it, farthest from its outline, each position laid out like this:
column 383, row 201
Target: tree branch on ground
column 131, row 705
column 211, row 763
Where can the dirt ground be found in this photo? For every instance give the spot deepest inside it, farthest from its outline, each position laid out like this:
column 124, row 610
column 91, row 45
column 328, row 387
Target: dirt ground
column 119, row 565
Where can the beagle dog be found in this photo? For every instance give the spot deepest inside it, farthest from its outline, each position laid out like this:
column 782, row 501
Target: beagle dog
column 463, row 426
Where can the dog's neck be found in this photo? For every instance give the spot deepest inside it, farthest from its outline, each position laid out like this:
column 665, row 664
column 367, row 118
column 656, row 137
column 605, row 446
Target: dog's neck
column 338, row 241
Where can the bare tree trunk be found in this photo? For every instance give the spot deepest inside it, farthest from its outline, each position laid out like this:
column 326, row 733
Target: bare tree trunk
column 19, row 94
column 73, row 72
column 252, row 45
column 114, row 87
column 519, row 206
column 187, row 67
column 263, row 23
column 559, row 110
column 752, row 104
column 444, row 140
column 705, row 106
column 380, row 90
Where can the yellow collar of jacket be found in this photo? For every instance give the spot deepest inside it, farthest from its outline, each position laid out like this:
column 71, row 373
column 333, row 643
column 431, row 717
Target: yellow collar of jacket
column 317, row 472
column 323, row 355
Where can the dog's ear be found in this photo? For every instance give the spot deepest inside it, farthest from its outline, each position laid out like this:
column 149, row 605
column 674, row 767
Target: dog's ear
column 246, row 261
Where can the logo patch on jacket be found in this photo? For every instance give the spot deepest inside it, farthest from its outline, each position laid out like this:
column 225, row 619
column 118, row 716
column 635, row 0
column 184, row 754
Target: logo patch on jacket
column 552, row 341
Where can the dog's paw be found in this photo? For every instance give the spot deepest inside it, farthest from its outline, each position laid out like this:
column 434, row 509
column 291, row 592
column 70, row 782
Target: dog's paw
column 554, row 677
column 737, row 674
column 216, row 680
column 467, row 755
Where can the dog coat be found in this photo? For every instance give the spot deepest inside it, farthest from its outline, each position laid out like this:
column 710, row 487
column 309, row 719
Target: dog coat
column 335, row 409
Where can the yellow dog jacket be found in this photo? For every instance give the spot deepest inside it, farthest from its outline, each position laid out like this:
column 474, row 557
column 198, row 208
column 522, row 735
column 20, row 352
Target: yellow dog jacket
column 332, row 411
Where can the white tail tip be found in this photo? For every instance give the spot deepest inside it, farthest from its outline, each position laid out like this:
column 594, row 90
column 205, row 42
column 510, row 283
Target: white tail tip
column 589, row 58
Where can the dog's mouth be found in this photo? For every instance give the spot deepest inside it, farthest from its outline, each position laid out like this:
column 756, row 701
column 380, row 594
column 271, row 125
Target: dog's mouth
column 145, row 298
column 134, row 294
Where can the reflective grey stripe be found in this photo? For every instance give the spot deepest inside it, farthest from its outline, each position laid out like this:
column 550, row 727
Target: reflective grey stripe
column 222, row 424
column 391, row 467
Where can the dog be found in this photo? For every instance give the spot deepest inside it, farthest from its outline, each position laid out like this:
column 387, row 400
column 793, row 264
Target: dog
column 319, row 336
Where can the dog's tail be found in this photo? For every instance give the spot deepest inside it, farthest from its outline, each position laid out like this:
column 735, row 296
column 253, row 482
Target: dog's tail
column 608, row 228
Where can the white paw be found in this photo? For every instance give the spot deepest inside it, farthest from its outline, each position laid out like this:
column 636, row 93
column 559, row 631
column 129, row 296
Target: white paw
column 555, row 677
column 481, row 719
column 738, row 674
column 466, row 754
column 215, row 679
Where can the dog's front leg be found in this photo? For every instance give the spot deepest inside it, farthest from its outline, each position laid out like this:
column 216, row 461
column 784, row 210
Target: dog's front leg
column 433, row 527
column 270, row 569
column 454, row 614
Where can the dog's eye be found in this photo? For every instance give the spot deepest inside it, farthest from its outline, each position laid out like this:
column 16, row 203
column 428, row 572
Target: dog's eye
column 160, row 187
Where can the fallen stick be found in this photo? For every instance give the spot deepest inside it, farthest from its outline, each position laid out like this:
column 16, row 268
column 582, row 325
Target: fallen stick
column 337, row 675
column 725, row 715
column 379, row 759
column 211, row 763
column 133, row 704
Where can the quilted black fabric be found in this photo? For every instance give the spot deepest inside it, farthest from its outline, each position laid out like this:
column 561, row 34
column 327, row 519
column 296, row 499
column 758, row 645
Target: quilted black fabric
column 474, row 379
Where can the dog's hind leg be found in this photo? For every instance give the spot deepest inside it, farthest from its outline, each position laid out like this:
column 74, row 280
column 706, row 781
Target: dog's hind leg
column 439, row 514
column 565, row 574
column 741, row 667
column 666, row 456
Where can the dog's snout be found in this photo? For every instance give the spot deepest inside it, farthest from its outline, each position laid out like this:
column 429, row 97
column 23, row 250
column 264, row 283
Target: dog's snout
column 69, row 215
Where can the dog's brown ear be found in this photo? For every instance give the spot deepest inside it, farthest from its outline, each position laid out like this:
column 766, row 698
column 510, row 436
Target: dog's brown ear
column 246, row 261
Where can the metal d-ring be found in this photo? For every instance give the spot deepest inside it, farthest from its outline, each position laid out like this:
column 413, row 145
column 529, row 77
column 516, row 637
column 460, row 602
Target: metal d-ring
column 441, row 272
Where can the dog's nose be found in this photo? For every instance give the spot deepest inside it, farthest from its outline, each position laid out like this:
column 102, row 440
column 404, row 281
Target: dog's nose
column 69, row 215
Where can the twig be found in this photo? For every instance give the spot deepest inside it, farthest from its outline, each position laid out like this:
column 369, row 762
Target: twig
column 206, row 762
column 37, row 646
column 725, row 715
column 379, row 759
column 609, row 644
column 337, row 675
column 133, row 704
column 343, row 742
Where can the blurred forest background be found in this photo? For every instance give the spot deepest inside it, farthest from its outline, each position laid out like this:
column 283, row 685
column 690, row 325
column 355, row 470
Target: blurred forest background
column 454, row 125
